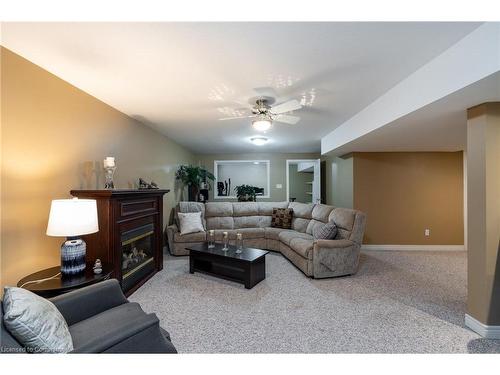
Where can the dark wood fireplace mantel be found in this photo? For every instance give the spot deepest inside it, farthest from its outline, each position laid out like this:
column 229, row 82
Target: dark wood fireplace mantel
column 123, row 215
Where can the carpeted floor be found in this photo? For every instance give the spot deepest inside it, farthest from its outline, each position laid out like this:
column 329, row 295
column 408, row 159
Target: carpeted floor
column 398, row 302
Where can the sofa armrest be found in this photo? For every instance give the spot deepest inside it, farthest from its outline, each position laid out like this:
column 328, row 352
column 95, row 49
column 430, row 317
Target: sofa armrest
column 332, row 258
column 83, row 303
column 334, row 244
column 171, row 231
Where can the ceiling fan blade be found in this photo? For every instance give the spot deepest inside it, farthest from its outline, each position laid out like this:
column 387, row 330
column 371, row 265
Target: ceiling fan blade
column 266, row 92
column 236, row 117
column 288, row 106
column 287, row 119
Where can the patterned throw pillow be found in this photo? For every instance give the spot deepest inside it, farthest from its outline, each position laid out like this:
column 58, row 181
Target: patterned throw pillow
column 326, row 231
column 282, row 218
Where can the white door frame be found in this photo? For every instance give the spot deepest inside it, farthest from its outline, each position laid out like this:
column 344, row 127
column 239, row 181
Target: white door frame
column 317, row 177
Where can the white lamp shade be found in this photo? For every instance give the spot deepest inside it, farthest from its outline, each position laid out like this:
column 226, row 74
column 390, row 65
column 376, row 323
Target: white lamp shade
column 72, row 217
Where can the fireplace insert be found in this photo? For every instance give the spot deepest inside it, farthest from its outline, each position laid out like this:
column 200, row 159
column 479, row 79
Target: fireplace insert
column 137, row 255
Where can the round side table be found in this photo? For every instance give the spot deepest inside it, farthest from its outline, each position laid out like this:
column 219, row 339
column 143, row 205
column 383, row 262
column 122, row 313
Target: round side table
column 53, row 283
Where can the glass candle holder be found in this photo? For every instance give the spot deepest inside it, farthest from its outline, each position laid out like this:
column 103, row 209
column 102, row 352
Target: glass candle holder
column 225, row 241
column 239, row 243
column 211, row 239
column 108, row 174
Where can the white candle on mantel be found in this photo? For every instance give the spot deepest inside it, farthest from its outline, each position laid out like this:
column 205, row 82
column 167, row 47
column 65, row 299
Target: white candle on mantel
column 109, row 161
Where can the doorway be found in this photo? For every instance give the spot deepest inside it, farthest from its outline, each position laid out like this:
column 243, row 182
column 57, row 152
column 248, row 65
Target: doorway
column 303, row 180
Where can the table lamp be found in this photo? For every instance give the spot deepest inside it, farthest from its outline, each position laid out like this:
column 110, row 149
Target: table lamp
column 72, row 218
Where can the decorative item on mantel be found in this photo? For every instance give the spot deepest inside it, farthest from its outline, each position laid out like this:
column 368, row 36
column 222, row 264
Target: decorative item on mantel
column 72, row 218
column 109, row 171
column 143, row 185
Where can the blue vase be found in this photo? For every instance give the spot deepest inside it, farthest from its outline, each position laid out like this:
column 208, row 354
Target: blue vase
column 73, row 257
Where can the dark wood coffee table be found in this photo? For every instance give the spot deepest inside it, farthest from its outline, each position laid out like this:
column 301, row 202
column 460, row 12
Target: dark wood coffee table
column 248, row 267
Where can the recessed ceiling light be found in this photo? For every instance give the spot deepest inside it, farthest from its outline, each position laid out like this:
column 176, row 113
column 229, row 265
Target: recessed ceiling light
column 262, row 124
column 256, row 162
column 258, row 141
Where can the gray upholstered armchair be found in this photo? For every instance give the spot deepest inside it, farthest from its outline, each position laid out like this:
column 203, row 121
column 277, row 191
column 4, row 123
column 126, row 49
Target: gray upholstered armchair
column 102, row 320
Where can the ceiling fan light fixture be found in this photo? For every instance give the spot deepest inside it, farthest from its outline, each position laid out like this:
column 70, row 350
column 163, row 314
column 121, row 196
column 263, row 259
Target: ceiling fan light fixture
column 262, row 124
column 259, row 141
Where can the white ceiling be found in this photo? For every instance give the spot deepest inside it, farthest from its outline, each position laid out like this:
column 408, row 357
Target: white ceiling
column 440, row 126
column 181, row 77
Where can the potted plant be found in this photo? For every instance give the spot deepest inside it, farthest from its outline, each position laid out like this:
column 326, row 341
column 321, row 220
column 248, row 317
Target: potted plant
column 247, row 193
column 192, row 177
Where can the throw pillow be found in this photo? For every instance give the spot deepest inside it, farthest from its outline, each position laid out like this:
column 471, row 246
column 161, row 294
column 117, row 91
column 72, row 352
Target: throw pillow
column 35, row 322
column 326, row 231
column 190, row 222
column 282, row 218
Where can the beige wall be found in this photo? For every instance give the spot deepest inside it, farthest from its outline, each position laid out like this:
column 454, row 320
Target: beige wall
column 277, row 171
column 483, row 213
column 339, row 181
column 403, row 193
column 49, row 130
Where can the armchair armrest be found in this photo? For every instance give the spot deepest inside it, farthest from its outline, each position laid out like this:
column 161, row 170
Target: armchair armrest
column 111, row 338
column 83, row 303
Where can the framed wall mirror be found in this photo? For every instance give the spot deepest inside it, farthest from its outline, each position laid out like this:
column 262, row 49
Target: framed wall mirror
column 232, row 173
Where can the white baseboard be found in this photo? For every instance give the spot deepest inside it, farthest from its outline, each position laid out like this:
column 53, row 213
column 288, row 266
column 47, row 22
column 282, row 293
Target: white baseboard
column 414, row 247
column 488, row 332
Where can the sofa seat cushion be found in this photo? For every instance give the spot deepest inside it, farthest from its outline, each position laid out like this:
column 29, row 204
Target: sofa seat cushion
column 108, row 327
column 190, row 237
column 302, row 246
column 288, row 235
column 274, row 233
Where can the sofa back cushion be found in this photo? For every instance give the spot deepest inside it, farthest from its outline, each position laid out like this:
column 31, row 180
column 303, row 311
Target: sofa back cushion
column 245, row 209
column 266, row 208
column 344, row 220
column 302, row 214
column 320, row 215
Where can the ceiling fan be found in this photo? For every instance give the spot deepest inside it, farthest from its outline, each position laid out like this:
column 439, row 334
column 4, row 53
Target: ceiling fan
column 264, row 113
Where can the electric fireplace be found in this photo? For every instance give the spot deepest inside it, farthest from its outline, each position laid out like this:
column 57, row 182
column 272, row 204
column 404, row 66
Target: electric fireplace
column 130, row 236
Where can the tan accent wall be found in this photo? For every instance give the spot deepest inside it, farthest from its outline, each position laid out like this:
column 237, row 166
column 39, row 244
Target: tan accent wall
column 277, row 169
column 483, row 198
column 404, row 193
column 52, row 133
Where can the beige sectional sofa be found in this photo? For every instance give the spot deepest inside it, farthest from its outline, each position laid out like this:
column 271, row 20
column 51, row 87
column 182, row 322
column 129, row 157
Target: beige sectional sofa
column 316, row 258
